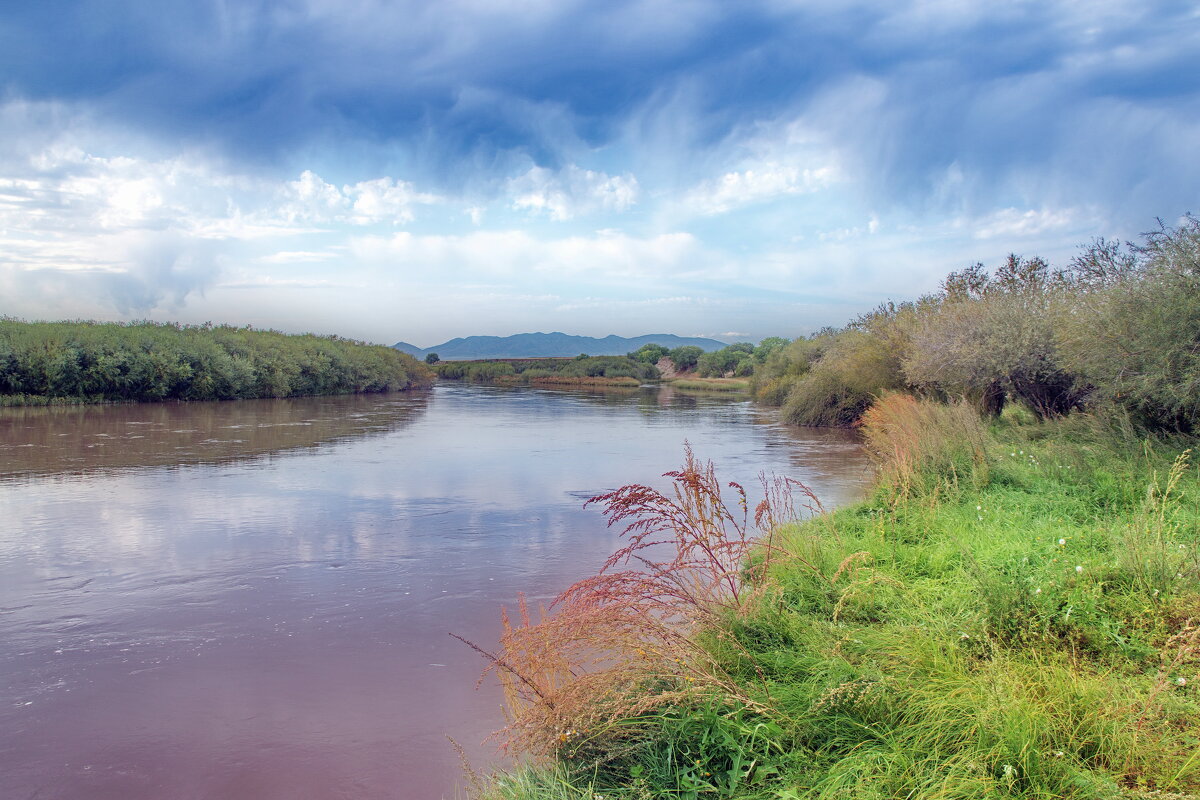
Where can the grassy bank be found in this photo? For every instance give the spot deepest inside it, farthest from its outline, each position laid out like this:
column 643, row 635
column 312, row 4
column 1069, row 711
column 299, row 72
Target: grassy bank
column 1014, row 613
column 712, row 384
column 580, row 371
column 565, row 380
column 50, row 363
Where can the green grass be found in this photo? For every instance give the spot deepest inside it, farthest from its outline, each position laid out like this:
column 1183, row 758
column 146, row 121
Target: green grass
column 712, row 384
column 1030, row 636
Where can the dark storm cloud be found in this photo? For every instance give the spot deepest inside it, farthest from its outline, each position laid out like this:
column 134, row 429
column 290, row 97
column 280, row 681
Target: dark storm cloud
column 1019, row 97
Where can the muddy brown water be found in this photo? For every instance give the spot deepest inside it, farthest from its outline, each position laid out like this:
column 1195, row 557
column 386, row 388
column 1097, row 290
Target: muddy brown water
column 252, row 600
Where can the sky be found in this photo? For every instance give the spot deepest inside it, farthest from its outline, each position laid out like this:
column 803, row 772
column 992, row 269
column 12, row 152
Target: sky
column 424, row 170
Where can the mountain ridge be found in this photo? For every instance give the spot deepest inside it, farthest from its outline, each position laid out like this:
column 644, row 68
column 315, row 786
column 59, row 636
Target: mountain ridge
column 550, row 345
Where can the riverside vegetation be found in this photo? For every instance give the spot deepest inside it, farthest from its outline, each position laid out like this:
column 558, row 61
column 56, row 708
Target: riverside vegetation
column 1014, row 613
column 581, row 370
column 721, row 370
column 45, row 363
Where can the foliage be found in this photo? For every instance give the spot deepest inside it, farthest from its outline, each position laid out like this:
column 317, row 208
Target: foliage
column 1134, row 335
column 734, row 360
column 782, row 367
column 854, row 367
column 684, row 358
column 713, row 384
column 475, row 371
column 649, row 353
column 764, row 349
column 1118, row 331
column 992, row 337
column 151, row 361
column 549, row 370
column 432, row 358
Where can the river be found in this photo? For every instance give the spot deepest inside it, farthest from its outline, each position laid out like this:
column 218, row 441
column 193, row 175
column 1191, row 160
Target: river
column 252, row 600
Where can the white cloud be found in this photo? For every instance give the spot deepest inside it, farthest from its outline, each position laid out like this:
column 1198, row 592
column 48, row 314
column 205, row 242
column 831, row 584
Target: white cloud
column 601, row 257
column 764, row 182
column 571, row 192
column 1015, row 223
column 140, row 233
column 297, row 257
column 311, row 199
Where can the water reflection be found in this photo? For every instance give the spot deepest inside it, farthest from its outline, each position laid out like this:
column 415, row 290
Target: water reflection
column 270, row 620
column 86, row 438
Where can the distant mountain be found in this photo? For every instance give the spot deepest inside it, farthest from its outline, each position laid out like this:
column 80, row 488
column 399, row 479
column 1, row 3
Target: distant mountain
column 550, row 345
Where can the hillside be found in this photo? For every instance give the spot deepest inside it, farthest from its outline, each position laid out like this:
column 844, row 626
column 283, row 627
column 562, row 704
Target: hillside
column 550, row 345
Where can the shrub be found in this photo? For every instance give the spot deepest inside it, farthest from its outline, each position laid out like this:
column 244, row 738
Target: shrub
column 782, row 366
column 649, row 353
column 1134, row 333
column 684, row 358
column 151, row 361
column 988, row 338
column 836, row 391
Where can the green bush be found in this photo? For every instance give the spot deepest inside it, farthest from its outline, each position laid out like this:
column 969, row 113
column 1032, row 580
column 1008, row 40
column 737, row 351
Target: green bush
column 150, row 361
column 854, row 368
column 1134, row 332
column 780, row 369
column 685, row 358
column 992, row 337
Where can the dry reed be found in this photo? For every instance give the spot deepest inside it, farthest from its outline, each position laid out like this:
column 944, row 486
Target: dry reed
column 628, row 639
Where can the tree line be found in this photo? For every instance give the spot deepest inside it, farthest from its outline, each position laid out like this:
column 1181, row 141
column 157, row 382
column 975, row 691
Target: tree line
column 147, row 361
column 1117, row 329
column 736, row 360
column 527, row 369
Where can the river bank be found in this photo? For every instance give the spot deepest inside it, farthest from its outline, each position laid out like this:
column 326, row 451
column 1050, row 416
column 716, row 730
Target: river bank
column 1014, row 613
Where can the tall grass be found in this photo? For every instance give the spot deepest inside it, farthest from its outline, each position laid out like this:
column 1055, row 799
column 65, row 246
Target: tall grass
column 1015, row 615
column 923, row 448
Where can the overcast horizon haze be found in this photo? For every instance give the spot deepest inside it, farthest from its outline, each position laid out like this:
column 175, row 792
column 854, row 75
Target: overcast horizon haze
column 424, row 171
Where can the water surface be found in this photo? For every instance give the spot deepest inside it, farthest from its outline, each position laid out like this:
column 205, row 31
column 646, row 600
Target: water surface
column 252, row 600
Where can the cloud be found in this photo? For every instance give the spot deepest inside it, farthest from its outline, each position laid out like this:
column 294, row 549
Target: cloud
column 600, row 258
column 1026, row 98
column 736, row 189
column 297, row 257
column 142, row 234
column 147, row 271
column 571, row 192
column 841, row 150
column 310, row 199
column 1012, row 223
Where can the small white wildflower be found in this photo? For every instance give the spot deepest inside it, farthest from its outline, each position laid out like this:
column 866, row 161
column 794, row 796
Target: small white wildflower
column 1078, row 568
column 1062, row 541
column 1009, row 770
column 1037, row 590
column 979, row 517
column 1058, row 754
column 979, row 508
column 963, row 636
column 1181, row 681
column 1155, row 593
